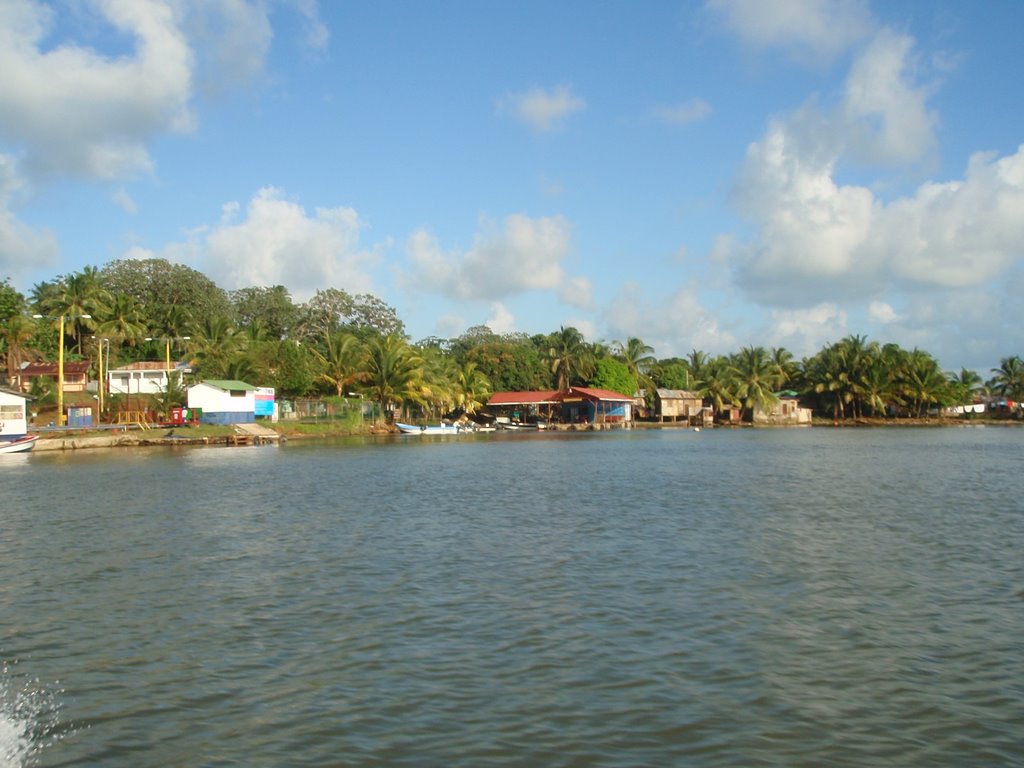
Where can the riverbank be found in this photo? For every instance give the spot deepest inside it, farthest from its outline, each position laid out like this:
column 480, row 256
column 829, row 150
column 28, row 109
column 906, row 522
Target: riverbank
column 250, row 434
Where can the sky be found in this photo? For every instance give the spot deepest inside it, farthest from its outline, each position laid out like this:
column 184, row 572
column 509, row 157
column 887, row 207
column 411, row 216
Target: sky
column 699, row 174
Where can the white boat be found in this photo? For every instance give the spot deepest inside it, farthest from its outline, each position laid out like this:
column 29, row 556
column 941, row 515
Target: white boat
column 428, row 429
column 20, row 445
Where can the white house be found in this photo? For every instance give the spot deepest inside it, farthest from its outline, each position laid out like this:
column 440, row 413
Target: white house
column 148, row 377
column 13, row 419
column 223, row 402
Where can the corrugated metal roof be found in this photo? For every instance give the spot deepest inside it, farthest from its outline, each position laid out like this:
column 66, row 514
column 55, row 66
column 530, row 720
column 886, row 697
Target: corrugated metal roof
column 51, row 369
column 228, row 384
column 523, row 398
column 602, row 394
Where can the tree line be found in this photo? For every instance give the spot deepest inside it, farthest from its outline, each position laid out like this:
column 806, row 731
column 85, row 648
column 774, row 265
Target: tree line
column 338, row 344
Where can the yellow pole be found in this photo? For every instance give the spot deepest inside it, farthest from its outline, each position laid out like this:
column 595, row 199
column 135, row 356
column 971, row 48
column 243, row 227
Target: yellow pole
column 60, row 374
column 168, row 340
column 99, row 348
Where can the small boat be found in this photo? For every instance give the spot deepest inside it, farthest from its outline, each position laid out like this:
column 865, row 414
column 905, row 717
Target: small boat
column 428, row 429
column 20, row 445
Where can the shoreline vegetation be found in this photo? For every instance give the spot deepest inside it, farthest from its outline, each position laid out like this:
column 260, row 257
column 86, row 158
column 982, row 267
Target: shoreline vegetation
column 339, row 353
column 81, row 439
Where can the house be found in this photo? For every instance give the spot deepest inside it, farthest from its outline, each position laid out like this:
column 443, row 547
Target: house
column 147, row 377
column 681, row 405
column 575, row 405
column 13, row 415
column 785, row 412
column 76, row 375
column 223, row 402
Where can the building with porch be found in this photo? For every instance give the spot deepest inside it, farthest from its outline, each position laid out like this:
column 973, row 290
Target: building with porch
column 575, row 405
column 146, row 377
column 76, row 375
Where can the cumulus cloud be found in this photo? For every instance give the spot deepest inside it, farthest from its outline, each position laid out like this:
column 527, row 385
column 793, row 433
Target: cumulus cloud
column 279, row 242
column 884, row 108
column 524, row 254
column 818, row 239
column 673, row 325
column 805, row 331
column 21, row 246
column 543, row 110
column 683, row 114
column 77, row 112
column 808, row 29
column 500, row 320
column 274, row 241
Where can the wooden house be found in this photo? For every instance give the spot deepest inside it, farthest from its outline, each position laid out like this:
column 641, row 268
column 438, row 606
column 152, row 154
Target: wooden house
column 679, row 405
column 76, row 375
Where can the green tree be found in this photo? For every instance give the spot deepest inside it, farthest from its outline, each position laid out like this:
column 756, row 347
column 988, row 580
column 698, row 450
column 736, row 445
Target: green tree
column 394, row 373
column 16, row 335
column 638, row 358
column 158, row 284
column 613, row 375
column 757, row 378
column 472, row 389
column 1008, row 380
column 270, row 308
column 341, row 362
column 570, row 358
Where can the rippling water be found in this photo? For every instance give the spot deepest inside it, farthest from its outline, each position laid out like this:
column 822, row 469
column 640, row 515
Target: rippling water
column 647, row 598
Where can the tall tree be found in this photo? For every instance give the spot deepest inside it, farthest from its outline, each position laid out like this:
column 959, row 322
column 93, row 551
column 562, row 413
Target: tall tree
column 569, row 357
column 341, row 361
column 394, row 373
column 757, row 378
column 1008, row 380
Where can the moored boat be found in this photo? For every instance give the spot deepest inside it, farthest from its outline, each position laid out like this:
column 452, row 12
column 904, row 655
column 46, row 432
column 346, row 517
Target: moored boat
column 19, row 445
column 428, row 429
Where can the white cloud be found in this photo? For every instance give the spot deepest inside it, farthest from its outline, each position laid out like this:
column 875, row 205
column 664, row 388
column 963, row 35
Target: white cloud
column 810, row 227
column 814, row 29
column 21, row 247
column 882, row 313
column 683, row 114
column 805, row 331
column 818, row 240
column 279, row 243
column 500, row 319
column 884, row 110
column 76, row 112
column 525, row 254
column 125, row 201
column 673, row 325
column 543, row 110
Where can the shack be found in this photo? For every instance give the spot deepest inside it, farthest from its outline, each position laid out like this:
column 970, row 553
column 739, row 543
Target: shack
column 223, row 401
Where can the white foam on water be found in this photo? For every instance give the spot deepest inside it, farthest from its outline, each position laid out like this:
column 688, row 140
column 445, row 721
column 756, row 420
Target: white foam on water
column 28, row 719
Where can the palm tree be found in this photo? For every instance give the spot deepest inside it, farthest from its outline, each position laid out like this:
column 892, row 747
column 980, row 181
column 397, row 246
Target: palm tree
column 17, row 333
column 122, row 320
column 638, row 357
column 569, row 357
column 826, row 374
column 1009, row 378
column 341, row 361
column 757, row 378
column 472, row 388
column 394, row 372
column 214, row 345
column 80, row 299
column 965, row 384
column 718, row 384
column 697, row 361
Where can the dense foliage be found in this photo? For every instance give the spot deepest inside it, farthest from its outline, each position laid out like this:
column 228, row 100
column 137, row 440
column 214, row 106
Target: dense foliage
column 340, row 345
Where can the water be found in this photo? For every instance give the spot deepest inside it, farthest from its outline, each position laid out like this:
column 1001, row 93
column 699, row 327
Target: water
column 722, row 598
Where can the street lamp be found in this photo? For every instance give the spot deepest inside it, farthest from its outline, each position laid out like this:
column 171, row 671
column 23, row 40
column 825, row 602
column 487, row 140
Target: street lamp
column 100, row 344
column 167, row 350
column 60, row 365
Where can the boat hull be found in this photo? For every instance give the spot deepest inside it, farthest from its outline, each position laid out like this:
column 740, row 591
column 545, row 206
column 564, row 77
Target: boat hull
column 21, row 445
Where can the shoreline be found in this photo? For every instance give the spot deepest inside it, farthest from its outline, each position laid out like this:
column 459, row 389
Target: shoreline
column 279, row 434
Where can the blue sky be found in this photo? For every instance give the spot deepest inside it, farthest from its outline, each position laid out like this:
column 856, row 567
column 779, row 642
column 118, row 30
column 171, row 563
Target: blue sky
column 703, row 175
